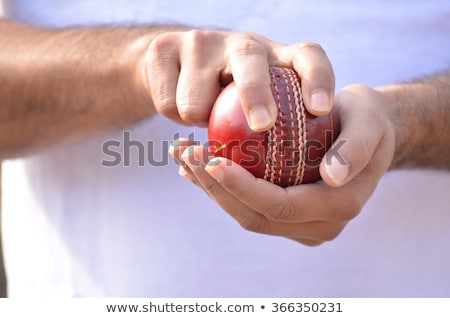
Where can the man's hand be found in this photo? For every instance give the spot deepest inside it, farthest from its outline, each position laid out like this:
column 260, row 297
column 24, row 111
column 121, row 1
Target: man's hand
column 310, row 213
column 392, row 127
column 62, row 86
column 185, row 71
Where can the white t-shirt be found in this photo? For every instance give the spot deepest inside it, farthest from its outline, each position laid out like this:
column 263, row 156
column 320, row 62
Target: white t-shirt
column 73, row 227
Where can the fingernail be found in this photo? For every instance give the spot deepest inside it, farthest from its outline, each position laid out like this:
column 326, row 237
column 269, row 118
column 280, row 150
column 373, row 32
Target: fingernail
column 174, row 146
column 320, row 102
column 183, row 172
column 260, row 118
column 337, row 172
column 213, row 169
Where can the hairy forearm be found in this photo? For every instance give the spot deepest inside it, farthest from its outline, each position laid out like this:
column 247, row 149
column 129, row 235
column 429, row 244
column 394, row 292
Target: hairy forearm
column 60, row 86
column 420, row 111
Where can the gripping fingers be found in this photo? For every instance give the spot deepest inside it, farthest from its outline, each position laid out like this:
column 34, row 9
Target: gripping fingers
column 176, row 150
column 248, row 58
column 196, row 159
column 178, row 147
column 196, row 92
column 297, row 204
column 313, row 66
column 200, row 75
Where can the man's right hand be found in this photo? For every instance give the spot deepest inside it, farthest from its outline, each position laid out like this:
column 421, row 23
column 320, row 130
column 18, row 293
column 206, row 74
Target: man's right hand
column 185, row 71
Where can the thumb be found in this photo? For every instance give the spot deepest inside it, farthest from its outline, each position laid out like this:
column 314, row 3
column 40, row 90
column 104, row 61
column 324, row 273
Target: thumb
column 361, row 134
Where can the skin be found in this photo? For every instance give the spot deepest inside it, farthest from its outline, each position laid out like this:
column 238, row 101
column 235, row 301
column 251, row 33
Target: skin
column 391, row 127
column 63, row 86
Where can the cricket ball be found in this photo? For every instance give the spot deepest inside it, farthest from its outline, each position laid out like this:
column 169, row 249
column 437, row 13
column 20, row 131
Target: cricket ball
column 291, row 151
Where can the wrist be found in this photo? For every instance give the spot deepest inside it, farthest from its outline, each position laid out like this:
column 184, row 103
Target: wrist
column 133, row 60
column 419, row 113
column 391, row 96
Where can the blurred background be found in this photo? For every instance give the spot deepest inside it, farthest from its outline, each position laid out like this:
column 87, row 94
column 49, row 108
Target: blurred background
column 2, row 269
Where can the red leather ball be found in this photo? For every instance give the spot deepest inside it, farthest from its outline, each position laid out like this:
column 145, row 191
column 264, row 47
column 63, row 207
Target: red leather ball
column 291, row 151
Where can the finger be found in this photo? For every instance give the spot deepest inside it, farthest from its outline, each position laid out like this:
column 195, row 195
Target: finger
column 249, row 219
column 186, row 173
column 161, row 73
column 195, row 158
column 317, row 77
column 200, row 75
column 178, row 146
column 297, row 204
column 362, row 130
column 196, row 93
column 249, row 63
column 176, row 150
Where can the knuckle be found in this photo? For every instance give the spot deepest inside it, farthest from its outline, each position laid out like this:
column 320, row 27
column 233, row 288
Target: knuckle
column 165, row 105
column 192, row 109
column 252, row 223
column 281, row 211
column 244, row 45
column 212, row 189
column 187, row 115
column 248, row 85
column 160, row 47
column 199, row 46
column 314, row 61
column 310, row 46
column 198, row 38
